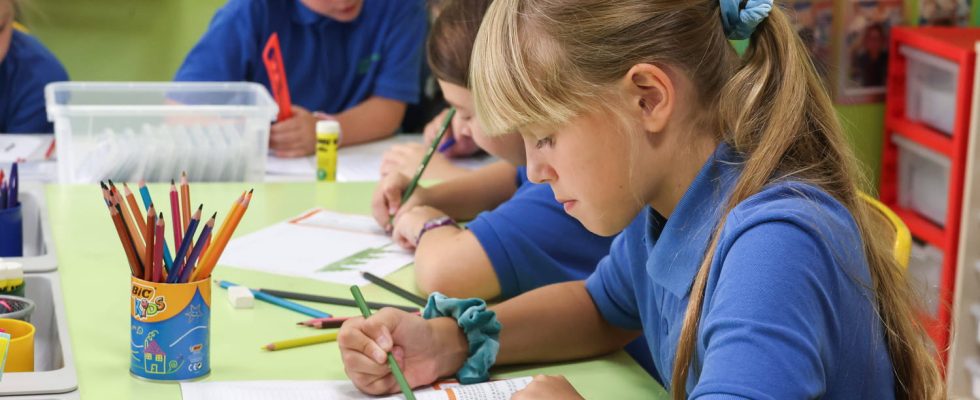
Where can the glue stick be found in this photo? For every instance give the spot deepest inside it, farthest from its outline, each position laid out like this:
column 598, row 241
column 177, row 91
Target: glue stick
column 327, row 141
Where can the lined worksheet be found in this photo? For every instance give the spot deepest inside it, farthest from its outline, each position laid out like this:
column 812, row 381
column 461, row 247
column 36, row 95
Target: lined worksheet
column 317, row 390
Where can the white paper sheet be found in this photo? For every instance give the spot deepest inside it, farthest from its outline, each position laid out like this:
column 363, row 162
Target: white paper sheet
column 319, row 244
column 354, row 163
column 317, row 390
column 22, row 147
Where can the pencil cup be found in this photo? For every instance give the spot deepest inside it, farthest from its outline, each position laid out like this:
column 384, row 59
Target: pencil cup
column 170, row 330
column 11, row 232
column 20, row 354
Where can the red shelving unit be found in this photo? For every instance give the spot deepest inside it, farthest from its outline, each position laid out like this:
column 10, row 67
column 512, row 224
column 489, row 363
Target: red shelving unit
column 956, row 45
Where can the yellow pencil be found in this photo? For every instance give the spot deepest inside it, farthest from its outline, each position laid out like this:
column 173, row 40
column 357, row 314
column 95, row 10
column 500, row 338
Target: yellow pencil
column 306, row 341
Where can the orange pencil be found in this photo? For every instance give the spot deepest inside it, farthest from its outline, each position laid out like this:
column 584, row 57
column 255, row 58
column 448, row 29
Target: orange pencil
column 127, row 219
column 203, row 260
column 134, row 208
column 218, row 246
column 185, row 201
column 149, row 238
column 127, row 241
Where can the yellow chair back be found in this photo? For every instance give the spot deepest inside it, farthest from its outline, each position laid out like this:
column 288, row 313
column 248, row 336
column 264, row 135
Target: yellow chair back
column 903, row 238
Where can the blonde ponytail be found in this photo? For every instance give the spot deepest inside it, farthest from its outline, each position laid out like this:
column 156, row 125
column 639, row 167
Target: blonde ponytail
column 772, row 109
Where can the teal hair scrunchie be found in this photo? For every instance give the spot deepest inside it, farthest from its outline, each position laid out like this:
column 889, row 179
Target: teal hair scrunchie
column 481, row 328
column 740, row 23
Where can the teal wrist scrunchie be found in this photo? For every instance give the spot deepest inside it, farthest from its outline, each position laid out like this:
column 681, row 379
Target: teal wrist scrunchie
column 740, row 23
column 481, row 328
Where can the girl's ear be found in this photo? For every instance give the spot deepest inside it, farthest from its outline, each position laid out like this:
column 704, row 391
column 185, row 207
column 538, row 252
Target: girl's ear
column 651, row 90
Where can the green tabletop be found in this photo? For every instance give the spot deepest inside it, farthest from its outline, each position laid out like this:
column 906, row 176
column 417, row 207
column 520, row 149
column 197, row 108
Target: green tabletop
column 95, row 280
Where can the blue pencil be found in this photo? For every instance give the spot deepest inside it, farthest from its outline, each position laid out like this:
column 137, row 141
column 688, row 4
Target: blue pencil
column 173, row 275
column 3, row 196
column 449, row 143
column 268, row 298
column 12, row 200
column 201, row 240
column 147, row 202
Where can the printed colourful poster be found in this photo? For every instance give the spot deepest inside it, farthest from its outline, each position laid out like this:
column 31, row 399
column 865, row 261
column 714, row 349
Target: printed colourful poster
column 863, row 62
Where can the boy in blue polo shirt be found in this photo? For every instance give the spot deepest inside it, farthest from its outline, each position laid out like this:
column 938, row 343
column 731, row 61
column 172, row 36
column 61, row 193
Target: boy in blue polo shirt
column 25, row 68
column 356, row 61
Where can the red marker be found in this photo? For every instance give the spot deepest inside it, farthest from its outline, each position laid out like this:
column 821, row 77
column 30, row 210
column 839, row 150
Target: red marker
column 272, row 57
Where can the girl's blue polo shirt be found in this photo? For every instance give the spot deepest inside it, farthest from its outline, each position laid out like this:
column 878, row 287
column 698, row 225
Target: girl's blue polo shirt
column 532, row 242
column 24, row 72
column 330, row 66
column 787, row 311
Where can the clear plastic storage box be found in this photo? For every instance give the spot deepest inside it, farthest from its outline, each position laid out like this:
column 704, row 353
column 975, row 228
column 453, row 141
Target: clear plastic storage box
column 930, row 94
column 923, row 180
column 154, row 131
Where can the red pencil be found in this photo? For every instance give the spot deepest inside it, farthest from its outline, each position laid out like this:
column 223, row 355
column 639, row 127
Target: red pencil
column 149, row 237
column 175, row 215
column 158, row 250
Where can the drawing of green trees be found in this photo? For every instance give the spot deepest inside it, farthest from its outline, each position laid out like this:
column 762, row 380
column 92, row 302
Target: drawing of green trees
column 354, row 260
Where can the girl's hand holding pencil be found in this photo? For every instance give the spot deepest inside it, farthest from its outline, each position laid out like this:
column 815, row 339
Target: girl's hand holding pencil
column 387, row 199
column 424, row 349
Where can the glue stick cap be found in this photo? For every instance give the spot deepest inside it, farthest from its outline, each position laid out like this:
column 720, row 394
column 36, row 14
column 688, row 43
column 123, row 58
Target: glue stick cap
column 15, row 270
column 328, row 126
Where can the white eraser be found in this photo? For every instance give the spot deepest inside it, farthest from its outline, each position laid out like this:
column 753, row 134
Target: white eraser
column 240, row 297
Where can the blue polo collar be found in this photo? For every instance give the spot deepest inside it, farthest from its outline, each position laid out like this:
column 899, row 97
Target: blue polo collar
column 677, row 246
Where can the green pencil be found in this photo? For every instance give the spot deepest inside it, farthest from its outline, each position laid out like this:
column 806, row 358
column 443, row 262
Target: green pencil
column 397, row 372
column 428, row 155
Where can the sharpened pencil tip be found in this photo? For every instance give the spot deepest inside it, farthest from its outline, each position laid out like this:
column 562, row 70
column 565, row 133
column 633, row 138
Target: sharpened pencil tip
column 200, row 207
column 251, row 190
column 215, row 215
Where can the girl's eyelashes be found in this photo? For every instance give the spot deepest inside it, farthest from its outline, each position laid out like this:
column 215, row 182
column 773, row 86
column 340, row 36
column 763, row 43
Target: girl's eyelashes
column 548, row 141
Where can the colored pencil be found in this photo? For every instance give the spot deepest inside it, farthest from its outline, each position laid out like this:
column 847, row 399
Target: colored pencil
column 13, row 199
column 332, row 300
column 130, row 240
column 205, row 234
column 268, row 298
column 449, row 143
column 180, row 260
column 397, row 372
column 127, row 246
column 135, row 209
column 306, row 341
column 3, row 196
column 149, row 235
column 175, row 218
column 218, row 246
column 105, row 192
column 147, row 201
column 428, row 155
column 160, row 230
column 185, row 201
column 377, row 280
column 130, row 225
column 325, row 323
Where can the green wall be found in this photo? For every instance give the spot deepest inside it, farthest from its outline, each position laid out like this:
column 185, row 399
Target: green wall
column 133, row 40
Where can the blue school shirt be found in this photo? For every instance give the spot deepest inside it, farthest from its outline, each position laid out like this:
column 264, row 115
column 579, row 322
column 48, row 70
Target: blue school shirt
column 330, row 66
column 24, row 72
column 532, row 242
column 786, row 311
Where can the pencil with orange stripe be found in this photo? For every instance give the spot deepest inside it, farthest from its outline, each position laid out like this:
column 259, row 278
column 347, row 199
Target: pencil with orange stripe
column 224, row 234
